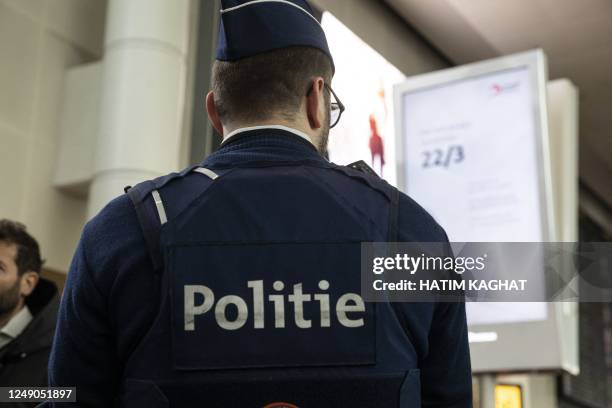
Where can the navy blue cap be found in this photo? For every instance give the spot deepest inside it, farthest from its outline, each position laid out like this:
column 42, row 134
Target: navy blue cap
column 251, row 27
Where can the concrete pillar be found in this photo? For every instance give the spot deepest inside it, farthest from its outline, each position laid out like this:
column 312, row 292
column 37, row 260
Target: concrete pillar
column 487, row 391
column 143, row 87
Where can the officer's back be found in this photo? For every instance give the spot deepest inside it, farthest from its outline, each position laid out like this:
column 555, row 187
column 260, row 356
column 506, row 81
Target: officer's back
column 236, row 282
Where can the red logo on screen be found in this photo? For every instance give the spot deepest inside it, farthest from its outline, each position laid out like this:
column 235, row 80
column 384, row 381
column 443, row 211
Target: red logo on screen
column 498, row 89
column 280, row 405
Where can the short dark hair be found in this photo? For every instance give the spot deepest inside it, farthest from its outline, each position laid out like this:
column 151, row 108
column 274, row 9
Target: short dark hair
column 28, row 253
column 268, row 84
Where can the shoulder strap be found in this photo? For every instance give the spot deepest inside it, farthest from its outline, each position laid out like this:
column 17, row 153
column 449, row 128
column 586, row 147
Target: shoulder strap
column 149, row 225
column 363, row 167
column 152, row 217
column 392, row 231
column 391, row 192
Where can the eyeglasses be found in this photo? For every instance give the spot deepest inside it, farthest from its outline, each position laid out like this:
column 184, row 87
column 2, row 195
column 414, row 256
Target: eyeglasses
column 337, row 107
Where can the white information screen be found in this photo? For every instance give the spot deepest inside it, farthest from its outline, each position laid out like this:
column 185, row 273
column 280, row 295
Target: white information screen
column 470, row 150
column 470, row 146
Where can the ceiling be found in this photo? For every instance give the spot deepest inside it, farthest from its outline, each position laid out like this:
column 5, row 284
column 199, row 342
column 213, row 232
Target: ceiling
column 576, row 36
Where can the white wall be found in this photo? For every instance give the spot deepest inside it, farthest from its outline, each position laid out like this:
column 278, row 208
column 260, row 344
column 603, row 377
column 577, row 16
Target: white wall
column 39, row 39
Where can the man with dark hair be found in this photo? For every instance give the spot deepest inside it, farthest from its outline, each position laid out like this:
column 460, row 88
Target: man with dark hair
column 236, row 282
column 270, row 87
column 28, row 308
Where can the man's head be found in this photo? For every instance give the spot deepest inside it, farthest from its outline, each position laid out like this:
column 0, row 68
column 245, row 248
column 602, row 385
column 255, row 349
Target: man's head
column 273, row 67
column 284, row 86
column 20, row 266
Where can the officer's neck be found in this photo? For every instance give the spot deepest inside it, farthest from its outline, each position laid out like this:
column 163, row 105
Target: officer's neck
column 313, row 134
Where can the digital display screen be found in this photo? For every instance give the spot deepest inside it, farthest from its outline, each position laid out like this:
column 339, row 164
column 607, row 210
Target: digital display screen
column 472, row 143
column 471, row 159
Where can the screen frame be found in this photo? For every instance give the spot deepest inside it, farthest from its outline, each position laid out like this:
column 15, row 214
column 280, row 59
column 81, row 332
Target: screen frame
column 513, row 350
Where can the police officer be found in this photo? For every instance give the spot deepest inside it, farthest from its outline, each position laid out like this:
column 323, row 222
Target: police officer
column 236, row 282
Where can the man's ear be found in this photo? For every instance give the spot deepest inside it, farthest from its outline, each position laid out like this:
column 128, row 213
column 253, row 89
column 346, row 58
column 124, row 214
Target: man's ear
column 314, row 104
column 29, row 280
column 213, row 114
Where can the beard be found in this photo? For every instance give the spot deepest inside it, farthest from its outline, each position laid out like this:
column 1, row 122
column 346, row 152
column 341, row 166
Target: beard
column 324, row 139
column 9, row 299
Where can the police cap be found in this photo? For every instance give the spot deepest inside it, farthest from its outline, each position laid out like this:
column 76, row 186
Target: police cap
column 251, row 27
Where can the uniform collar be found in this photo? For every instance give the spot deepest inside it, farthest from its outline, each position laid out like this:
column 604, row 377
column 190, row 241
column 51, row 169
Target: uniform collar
column 263, row 144
column 278, row 127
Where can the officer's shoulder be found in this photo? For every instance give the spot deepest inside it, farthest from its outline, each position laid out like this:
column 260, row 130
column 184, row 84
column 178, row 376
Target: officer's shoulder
column 415, row 223
column 360, row 170
column 362, row 167
column 116, row 225
column 111, row 235
column 160, row 183
column 115, row 217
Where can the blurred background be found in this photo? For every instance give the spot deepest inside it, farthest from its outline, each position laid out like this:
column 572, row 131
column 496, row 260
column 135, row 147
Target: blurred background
column 96, row 95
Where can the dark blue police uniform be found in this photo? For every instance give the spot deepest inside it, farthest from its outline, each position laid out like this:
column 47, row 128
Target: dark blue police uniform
column 277, row 212
column 236, row 283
